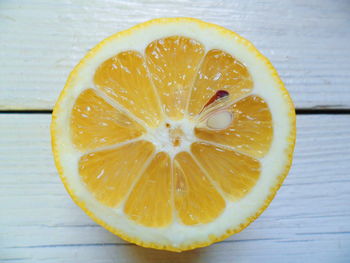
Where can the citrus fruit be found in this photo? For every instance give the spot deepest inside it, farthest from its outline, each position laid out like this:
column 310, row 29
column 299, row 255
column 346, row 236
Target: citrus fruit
column 173, row 134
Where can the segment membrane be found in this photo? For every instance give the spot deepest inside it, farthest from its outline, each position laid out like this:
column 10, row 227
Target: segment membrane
column 155, row 191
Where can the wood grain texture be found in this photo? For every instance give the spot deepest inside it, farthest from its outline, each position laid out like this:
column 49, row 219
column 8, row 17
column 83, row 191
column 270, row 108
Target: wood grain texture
column 307, row 41
column 309, row 220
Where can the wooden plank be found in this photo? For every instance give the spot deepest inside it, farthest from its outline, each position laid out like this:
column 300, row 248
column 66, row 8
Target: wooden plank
column 41, row 41
column 309, row 220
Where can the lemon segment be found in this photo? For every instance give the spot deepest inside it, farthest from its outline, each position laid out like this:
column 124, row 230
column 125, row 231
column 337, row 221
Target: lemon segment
column 173, row 63
column 109, row 174
column 235, row 173
column 96, row 123
column 197, row 201
column 219, row 71
column 150, row 202
column 251, row 130
column 119, row 76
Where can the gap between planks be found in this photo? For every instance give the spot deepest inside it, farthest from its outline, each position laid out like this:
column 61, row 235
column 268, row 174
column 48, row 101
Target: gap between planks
column 299, row 111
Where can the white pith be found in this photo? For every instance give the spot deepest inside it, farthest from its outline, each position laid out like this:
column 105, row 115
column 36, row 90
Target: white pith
column 235, row 213
column 161, row 139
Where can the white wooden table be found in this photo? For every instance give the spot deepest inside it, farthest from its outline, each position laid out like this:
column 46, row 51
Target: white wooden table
column 308, row 42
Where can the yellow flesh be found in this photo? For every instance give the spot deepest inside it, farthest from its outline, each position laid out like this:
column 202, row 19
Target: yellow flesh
column 110, row 173
column 150, row 200
column 176, row 77
column 173, row 63
column 196, row 199
column 235, row 173
column 120, row 76
column 95, row 123
column 251, row 129
column 219, row 71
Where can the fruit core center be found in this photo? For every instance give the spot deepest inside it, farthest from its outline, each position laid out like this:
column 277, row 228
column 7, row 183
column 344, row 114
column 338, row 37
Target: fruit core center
column 175, row 134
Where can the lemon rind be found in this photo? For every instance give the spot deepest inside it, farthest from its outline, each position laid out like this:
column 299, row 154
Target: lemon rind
column 211, row 239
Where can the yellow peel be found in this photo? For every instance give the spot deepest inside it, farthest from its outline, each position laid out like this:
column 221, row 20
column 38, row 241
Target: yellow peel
column 60, row 113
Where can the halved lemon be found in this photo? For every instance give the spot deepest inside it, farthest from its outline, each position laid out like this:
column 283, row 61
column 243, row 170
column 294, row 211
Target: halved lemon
column 173, row 134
